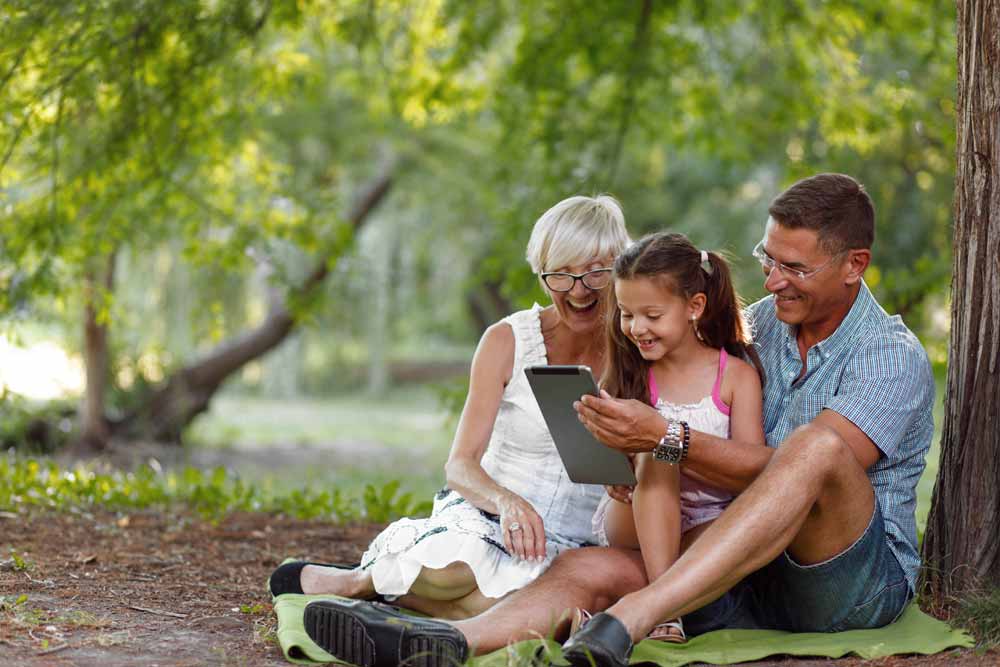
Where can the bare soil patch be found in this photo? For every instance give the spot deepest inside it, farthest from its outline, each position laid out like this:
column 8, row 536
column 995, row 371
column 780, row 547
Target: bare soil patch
column 109, row 590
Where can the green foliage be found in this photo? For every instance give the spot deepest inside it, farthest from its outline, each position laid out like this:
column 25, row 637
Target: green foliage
column 980, row 613
column 41, row 483
column 386, row 503
column 253, row 609
column 208, row 150
column 19, row 563
column 34, row 428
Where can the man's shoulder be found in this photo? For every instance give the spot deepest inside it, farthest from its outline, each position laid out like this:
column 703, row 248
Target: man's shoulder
column 885, row 346
column 881, row 331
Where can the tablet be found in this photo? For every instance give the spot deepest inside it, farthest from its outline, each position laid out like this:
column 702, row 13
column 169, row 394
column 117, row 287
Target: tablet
column 587, row 460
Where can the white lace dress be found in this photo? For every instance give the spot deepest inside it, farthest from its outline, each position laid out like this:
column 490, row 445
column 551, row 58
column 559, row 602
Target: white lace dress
column 521, row 457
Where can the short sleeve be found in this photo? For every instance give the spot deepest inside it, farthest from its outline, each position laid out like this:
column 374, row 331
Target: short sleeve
column 887, row 387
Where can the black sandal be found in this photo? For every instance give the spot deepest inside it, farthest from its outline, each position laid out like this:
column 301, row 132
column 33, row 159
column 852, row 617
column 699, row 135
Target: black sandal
column 370, row 634
column 287, row 577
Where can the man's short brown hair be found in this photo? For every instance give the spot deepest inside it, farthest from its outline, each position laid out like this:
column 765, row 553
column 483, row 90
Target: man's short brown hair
column 836, row 206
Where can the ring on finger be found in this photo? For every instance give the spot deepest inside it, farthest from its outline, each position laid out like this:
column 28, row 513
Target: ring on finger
column 514, row 526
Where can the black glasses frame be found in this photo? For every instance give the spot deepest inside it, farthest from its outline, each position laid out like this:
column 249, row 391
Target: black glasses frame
column 582, row 277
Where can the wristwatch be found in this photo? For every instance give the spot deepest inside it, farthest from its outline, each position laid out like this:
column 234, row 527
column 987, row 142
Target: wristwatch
column 673, row 446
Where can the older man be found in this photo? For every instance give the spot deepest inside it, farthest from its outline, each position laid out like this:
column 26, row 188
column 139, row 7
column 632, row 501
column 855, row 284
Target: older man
column 822, row 536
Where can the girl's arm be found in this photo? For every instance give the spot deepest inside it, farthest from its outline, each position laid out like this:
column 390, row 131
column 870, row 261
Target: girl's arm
column 733, row 464
column 491, row 370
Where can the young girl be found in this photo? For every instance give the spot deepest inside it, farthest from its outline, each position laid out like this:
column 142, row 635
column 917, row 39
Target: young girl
column 677, row 341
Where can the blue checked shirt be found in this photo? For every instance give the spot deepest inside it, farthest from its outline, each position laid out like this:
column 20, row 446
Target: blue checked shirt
column 873, row 371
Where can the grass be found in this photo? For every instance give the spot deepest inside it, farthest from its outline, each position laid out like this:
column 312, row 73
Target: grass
column 403, row 419
column 26, row 482
column 980, row 613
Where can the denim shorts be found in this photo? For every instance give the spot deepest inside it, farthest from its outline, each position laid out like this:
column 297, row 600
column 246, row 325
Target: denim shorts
column 861, row 587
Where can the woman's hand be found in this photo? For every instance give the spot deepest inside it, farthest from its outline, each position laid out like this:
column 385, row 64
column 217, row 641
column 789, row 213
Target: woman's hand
column 522, row 527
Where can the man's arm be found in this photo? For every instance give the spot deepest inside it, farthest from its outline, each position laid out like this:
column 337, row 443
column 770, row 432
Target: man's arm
column 633, row 427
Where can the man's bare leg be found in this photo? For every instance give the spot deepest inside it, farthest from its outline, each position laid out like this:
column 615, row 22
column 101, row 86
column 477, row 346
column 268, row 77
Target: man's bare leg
column 590, row 578
column 813, row 498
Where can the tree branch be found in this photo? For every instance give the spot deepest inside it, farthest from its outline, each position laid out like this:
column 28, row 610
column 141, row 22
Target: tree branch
column 628, row 105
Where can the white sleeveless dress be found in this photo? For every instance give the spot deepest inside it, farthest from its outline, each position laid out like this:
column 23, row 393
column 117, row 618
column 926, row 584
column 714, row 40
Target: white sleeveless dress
column 521, row 457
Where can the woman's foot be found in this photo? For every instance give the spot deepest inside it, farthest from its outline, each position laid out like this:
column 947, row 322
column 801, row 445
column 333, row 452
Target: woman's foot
column 671, row 631
column 301, row 577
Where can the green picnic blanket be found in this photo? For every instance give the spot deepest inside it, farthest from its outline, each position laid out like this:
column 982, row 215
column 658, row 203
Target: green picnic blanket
column 914, row 632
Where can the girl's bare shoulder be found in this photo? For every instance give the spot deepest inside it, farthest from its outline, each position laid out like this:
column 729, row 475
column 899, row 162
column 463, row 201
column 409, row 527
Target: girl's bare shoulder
column 739, row 375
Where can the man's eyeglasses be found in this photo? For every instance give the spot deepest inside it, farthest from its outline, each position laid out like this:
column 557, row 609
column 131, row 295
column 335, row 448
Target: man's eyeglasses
column 770, row 263
column 559, row 281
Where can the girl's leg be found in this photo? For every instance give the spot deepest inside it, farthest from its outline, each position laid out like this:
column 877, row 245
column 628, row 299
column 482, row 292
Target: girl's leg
column 619, row 525
column 656, row 510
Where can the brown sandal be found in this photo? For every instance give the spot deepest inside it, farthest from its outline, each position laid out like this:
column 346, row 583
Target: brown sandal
column 671, row 631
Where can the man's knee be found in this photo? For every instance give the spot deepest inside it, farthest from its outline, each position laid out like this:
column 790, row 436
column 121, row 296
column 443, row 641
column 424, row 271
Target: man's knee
column 822, row 449
column 825, row 459
column 604, row 573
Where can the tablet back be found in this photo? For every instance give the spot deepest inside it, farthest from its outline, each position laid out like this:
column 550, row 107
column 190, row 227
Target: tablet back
column 587, row 460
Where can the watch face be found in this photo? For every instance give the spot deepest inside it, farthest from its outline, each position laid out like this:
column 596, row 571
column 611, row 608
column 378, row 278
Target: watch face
column 668, row 454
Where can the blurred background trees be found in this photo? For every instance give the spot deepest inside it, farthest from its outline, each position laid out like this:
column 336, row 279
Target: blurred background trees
column 303, row 197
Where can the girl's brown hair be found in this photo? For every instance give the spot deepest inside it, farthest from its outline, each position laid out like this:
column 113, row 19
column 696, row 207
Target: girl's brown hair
column 674, row 260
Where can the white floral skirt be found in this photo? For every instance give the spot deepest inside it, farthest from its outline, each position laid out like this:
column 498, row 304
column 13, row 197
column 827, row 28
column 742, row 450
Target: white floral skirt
column 456, row 531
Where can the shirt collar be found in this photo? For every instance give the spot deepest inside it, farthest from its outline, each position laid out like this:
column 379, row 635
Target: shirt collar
column 845, row 333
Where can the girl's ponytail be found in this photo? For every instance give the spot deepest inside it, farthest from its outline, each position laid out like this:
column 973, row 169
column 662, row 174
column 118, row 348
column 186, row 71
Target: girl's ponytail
column 721, row 323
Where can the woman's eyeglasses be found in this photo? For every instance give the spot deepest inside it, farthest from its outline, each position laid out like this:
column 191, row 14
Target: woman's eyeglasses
column 559, row 281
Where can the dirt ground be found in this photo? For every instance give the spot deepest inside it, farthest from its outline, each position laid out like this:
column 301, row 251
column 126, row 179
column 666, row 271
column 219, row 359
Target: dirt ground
column 114, row 590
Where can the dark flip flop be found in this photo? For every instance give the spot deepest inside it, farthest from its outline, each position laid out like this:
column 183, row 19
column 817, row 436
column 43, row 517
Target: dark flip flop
column 287, row 577
column 370, row 634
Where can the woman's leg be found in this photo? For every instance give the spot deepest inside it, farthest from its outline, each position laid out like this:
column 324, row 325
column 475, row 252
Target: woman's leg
column 459, row 609
column 356, row 583
column 454, row 583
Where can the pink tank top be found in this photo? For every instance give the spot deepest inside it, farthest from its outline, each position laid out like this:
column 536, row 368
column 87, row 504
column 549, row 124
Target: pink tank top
column 699, row 502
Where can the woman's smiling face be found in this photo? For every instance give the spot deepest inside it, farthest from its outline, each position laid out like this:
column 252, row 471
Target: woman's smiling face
column 582, row 309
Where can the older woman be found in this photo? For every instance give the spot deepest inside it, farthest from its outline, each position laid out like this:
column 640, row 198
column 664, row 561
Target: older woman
column 508, row 508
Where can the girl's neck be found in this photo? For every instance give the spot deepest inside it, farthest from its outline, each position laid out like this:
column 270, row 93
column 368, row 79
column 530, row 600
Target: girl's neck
column 683, row 359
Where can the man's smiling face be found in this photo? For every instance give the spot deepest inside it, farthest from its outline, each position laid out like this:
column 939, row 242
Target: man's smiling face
column 815, row 298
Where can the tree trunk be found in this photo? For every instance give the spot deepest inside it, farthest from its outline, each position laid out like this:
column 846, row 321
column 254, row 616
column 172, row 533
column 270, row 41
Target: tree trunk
column 93, row 425
column 187, row 392
column 961, row 550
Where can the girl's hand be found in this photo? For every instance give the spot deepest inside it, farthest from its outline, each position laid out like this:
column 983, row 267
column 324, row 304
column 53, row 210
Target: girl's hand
column 621, row 493
column 527, row 539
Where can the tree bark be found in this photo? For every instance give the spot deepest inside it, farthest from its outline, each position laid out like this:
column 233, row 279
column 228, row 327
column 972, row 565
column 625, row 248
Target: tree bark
column 188, row 392
column 961, row 550
column 93, row 425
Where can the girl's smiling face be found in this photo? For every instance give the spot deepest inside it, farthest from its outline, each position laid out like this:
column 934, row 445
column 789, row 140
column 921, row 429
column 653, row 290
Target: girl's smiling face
column 654, row 318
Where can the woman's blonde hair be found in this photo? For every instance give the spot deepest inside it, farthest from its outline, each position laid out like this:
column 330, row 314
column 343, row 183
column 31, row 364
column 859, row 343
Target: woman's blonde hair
column 576, row 230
